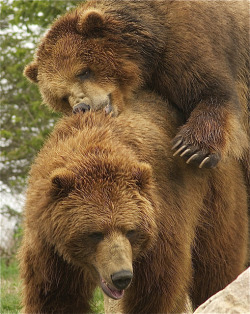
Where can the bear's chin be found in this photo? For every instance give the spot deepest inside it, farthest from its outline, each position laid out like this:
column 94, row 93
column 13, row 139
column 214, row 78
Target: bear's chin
column 111, row 292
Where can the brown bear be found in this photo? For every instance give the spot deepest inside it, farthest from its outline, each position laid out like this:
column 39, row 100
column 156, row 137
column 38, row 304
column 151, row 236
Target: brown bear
column 193, row 53
column 108, row 205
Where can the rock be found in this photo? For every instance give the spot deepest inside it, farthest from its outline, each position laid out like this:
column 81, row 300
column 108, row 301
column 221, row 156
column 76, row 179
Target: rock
column 235, row 298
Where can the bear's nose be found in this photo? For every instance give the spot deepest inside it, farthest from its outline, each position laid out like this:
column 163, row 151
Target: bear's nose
column 82, row 107
column 122, row 279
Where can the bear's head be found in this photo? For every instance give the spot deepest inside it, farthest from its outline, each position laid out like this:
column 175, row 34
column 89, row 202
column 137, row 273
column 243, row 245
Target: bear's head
column 83, row 59
column 102, row 217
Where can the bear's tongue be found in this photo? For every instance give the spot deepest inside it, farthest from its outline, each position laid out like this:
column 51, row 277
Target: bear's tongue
column 112, row 293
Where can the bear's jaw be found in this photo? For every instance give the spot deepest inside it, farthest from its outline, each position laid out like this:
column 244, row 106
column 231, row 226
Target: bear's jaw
column 111, row 292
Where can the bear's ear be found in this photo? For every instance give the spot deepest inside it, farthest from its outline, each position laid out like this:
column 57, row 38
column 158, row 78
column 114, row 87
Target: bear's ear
column 142, row 175
column 91, row 24
column 62, row 182
column 31, row 72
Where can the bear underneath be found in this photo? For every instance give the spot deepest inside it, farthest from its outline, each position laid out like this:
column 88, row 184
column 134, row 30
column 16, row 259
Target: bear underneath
column 109, row 206
column 193, row 53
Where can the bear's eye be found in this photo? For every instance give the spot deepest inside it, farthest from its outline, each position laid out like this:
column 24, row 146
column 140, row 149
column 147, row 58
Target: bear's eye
column 131, row 234
column 65, row 99
column 96, row 236
column 84, row 75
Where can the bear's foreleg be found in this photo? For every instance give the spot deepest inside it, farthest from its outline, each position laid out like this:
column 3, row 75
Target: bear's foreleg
column 212, row 132
column 50, row 284
column 161, row 281
column 220, row 248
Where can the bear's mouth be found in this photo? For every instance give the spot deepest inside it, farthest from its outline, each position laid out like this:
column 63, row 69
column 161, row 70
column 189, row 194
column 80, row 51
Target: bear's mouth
column 111, row 292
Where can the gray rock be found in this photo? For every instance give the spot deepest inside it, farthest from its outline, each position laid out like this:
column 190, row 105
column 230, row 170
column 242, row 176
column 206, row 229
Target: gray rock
column 234, row 299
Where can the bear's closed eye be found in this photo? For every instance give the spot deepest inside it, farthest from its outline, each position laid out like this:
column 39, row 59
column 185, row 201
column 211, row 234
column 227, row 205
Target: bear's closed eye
column 84, row 75
column 96, row 236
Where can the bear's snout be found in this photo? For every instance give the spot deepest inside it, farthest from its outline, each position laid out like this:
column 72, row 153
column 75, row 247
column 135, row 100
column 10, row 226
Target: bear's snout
column 122, row 279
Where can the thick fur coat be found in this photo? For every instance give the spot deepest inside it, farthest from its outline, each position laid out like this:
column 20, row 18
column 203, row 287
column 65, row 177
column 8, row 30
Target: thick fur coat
column 107, row 198
column 193, row 53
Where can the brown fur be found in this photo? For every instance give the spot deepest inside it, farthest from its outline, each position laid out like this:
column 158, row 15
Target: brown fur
column 193, row 53
column 98, row 174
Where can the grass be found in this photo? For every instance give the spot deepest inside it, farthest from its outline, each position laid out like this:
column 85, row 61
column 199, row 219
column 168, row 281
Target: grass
column 10, row 287
column 11, row 290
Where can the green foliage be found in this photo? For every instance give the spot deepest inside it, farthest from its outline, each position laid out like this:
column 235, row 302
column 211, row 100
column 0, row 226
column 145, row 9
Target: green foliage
column 9, row 269
column 24, row 122
column 97, row 305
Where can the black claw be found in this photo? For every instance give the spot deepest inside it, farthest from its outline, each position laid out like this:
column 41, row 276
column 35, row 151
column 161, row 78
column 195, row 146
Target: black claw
column 81, row 108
